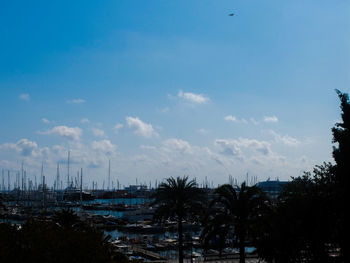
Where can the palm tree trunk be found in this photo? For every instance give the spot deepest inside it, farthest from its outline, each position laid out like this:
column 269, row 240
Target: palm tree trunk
column 179, row 232
column 241, row 249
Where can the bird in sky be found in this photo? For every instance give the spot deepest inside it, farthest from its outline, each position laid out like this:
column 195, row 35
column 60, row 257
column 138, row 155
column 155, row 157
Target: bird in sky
column 232, row 14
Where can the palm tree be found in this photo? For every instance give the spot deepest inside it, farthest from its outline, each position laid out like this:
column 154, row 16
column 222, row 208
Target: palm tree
column 66, row 218
column 178, row 199
column 233, row 212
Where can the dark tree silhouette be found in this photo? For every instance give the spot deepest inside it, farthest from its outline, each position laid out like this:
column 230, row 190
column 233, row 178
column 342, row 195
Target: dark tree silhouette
column 310, row 220
column 45, row 241
column 178, row 199
column 341, row 154
column 300, row 226
column 234, row 211
column 66, row 218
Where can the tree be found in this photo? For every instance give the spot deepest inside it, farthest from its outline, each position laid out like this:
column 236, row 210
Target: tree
column 341, row 155
column 66, row 218
column 309, row 222
column 341, row 135
column 234, row 211
column 178, row 199
column 300, row 226
column 46, row 241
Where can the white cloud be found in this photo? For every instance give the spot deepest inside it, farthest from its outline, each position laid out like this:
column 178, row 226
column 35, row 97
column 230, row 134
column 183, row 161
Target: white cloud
column 76, row 101
column 262, row 147
column 285, row 139
column 235, row 147
column 193, row 97
column 175, row 155
column 148, row 147
column 117, row 127
column 84, row 120
column 254, row 121
column 231, row 118
column 172, row 157
column 270, row 119
column 104, row 146
column 44, row 120
column 91, row 155
column 24, row 146
column 98, row 132
column 72, row 133
column 228, row 147
column 57, row 149
column 178, row 145
column 24, row 96
column 234, row 119
column 141, row 128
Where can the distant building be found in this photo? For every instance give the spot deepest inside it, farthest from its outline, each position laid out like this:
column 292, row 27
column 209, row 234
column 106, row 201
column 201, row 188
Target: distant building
column 272, row 187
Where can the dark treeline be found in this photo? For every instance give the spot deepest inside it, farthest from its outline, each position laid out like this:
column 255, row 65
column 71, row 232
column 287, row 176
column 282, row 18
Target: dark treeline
column 307, row 222
column 64, row 239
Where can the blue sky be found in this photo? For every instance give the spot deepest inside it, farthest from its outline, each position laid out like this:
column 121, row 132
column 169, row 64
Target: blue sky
column 168, row 88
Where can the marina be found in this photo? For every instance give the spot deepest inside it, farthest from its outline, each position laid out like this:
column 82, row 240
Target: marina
column 127, row 221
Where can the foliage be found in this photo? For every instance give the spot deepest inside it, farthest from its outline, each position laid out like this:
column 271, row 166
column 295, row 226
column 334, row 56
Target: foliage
column 309, row 222
column 234, row 212
column 300, row 226
column 341, row 135
column 178, row 199
column 66, row 218
column 45, row 241
column 341, row 155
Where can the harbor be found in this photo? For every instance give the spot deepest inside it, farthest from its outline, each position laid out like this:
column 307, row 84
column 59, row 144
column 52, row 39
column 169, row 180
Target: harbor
column 126, row 219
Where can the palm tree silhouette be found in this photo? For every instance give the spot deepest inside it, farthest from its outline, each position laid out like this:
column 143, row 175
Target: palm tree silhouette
column 233, row 211
column 178, row 199
column 66, row 218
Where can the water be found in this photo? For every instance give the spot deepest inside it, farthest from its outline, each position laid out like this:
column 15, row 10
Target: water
column 125, row 201
column 116, row 214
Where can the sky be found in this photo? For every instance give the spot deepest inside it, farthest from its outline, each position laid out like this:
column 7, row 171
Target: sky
column 171, row 88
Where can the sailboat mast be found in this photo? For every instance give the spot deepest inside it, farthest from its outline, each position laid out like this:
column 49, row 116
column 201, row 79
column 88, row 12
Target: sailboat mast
column 8, row 181
column 3, row 181
column 109, row 174
column 22, row 175
column 58, row 176
column 42, row 174
column 81, row 186
column 68, row 182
